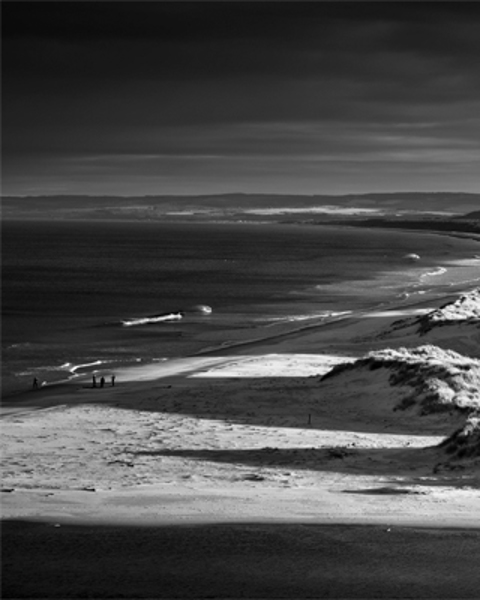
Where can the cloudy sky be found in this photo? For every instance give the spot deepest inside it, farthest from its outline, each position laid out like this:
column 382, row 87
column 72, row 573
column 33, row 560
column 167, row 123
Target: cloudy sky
column 199, row 97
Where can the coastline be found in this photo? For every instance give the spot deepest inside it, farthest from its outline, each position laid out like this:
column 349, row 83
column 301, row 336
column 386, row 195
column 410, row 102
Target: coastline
column 294, row 337
column 227, row 329
column 188, row 395
column 232, row 442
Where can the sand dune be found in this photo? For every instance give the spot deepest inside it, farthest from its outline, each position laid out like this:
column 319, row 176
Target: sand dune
column 428, row 378
column 466, row 308
column 454, row 325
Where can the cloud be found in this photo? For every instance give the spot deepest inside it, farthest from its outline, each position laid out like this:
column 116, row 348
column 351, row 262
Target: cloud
column 285, row 82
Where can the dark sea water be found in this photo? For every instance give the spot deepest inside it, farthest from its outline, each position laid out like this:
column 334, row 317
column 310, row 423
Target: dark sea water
column 79, row 297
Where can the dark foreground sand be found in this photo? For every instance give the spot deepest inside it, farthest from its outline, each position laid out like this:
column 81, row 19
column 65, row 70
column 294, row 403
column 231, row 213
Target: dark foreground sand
column 245, row 560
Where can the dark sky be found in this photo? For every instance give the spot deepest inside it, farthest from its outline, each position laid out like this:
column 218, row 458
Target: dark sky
column 201, row 97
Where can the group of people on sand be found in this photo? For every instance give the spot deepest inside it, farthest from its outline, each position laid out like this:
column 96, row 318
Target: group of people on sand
column 102, row 381
column 36, row 385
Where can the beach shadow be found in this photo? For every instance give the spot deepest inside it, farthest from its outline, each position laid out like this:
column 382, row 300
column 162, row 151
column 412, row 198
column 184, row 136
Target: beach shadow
column 230, row 560
column 384, row 491
column 402, row 462
column 285, row 402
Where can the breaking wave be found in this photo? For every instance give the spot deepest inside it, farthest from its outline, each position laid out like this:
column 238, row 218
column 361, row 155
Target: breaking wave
column 435, row 273
column 153, row 319
column 202, row 309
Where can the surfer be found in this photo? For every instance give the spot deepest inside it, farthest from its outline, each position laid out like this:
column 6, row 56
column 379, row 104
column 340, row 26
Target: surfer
column 113, row 380
column 35, row 383
column 102, row 382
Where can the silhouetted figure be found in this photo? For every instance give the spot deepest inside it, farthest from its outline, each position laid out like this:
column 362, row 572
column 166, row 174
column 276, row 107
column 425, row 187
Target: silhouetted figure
column 94, row 381
column 113, row 380
column 102, row 382
column 35, row 383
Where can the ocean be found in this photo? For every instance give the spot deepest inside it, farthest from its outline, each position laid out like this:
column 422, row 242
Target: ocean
column 82, row 297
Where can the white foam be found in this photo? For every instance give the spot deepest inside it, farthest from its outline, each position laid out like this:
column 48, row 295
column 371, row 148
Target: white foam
column 157, row 319
column 435, row 273
column 75, row 368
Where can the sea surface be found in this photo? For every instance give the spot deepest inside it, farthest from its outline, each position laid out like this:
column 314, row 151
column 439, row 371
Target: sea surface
column 83, row 297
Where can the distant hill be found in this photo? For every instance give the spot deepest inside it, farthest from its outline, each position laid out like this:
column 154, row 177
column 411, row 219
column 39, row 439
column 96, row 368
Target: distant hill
column 473, row 215
column 240, row 206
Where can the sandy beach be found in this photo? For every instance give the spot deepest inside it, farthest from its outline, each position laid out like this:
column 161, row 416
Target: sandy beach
column 243, row 473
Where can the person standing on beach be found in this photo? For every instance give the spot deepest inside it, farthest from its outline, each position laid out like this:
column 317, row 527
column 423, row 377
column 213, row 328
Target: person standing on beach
column 102, row 382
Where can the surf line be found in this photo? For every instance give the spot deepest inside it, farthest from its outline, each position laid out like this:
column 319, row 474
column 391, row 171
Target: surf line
column 153, row 319
column 173, row 316
column 75, row 368
column 438, row 271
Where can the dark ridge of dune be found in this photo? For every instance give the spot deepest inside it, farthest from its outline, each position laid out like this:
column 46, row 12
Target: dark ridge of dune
column 464, row 444
column 471, row 215
column 434, row 380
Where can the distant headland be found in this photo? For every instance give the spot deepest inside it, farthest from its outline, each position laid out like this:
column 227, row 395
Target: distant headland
column 447, row 211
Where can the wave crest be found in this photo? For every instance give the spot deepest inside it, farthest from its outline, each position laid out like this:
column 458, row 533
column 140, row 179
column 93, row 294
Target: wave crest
column 153, row 319
column 201, row 308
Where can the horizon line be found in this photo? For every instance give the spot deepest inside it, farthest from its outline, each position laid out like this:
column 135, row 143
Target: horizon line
column 220, row 194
